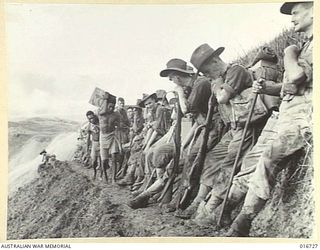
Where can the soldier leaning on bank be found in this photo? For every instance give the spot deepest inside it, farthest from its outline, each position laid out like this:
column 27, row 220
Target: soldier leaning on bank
column 286, row 132
column 156, row 127
column 194, row 93
column 230, row 84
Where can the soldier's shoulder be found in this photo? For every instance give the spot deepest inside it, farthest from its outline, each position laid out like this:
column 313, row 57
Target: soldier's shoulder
column 203, row 80
column 236, row 69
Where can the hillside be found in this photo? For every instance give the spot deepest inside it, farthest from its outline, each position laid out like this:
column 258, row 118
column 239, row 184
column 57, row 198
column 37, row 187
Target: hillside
column 53, row 207
column 63, row 202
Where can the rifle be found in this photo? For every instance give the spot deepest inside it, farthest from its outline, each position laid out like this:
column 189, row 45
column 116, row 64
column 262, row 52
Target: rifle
column 198, row 163
column 235, row 168
column 176, row 158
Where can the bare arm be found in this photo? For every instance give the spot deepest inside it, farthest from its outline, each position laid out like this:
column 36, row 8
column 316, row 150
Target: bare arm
column 267, row 87
column 151, row 140
column 103, row 108
column 182, row 99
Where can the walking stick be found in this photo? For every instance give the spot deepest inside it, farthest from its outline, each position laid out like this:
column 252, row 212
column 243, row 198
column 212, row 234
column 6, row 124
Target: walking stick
column 234, row 169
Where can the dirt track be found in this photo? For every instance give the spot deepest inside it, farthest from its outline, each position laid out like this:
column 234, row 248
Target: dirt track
column 66, row 203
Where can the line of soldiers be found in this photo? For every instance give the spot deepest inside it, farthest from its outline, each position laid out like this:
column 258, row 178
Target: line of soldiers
column 240, row 132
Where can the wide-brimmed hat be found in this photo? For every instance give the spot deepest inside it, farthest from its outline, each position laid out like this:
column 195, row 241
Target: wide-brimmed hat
column 203, row 53
column 176, row 65
column 144, row 98
column 286, row 8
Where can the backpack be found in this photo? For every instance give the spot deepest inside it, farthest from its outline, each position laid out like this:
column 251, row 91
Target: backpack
column 264, row 65
column 270, row 73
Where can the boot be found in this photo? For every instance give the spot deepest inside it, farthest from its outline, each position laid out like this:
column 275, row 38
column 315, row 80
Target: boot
column 140, row 187
column 202, row 193
column 155, row 190
column 234, row 198
column 242, row 224
column 137, row 184
column 140, row 201
column 205, row 214
column 172, row 205
column 129, row 177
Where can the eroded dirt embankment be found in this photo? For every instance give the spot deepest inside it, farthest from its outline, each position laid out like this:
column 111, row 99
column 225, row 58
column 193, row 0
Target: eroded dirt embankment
column 64, row 202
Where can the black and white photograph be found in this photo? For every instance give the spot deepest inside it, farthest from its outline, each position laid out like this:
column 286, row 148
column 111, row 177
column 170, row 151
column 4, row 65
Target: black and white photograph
column 160, row 120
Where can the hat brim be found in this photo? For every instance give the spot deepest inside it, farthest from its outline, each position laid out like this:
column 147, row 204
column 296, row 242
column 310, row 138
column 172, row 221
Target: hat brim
column 217, row 52
column 141, row 104
column 286, row 8
column 134, row 107
column 166, row 72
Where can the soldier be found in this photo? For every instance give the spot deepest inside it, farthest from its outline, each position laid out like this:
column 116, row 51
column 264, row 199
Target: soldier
column 194, row 94
column 264, row 65
column 130, row 116
column 135, row 146
column 229, row 84
column 158, row 157
column 285, row 133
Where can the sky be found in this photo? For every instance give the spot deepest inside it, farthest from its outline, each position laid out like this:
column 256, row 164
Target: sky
column 58, row 53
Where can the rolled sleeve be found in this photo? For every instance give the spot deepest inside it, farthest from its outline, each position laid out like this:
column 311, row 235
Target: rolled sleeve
column 237, row 79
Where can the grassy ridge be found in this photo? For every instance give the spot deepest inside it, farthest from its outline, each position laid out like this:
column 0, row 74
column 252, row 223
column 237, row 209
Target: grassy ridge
column 278, row 44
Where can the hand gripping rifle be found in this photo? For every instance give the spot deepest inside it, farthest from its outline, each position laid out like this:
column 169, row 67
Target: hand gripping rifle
column 176, row 158
column 198, row 163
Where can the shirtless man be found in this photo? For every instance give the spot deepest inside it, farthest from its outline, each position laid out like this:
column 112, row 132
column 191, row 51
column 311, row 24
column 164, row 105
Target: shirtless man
column 109, row 145
column 93, row 136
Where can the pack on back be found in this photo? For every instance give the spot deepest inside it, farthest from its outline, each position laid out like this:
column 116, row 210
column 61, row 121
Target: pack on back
column 267, row 71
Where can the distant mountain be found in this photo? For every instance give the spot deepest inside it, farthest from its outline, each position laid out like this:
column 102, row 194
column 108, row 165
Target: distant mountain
column 38, row 128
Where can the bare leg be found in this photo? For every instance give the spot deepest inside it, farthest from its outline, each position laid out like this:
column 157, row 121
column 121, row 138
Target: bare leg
column 105, row 166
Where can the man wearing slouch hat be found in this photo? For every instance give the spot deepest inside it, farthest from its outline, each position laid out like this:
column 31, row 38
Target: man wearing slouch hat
column 228, row 83
column 194, row 92
column 285, row 133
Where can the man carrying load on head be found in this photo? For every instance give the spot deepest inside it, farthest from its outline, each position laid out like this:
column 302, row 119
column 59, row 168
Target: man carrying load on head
column 109, row 144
